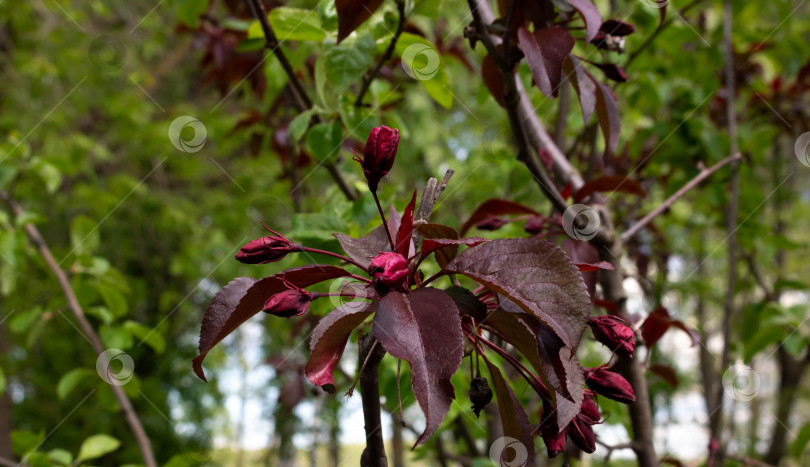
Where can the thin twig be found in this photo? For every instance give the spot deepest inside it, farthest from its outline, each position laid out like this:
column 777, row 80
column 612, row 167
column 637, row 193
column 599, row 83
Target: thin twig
column 301, row 98
column 648, row 42
column 123, row 400
column 702, row 175
column 385, row 56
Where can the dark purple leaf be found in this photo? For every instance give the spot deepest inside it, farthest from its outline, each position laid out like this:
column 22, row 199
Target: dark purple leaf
column 615, row 27
column 545, row 50
column 444, row 254
column 352, row 13
column 665, row 372
column 555, row 363
column 447, row 249
column 493, row 79
column 609, row 183
column 366, row 248
column 585, row 88
column 329, row 340
column 613, row 72
column 404, row 236
column 657, row 323
column 514, row 420
column 492, row 208
column 424, row 328
column 537, row 276
column 607, row 112
column 467, row 302
column 590, row 14
column 243, row 297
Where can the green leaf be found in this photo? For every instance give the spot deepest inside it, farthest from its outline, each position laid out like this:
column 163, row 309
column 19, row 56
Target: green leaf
column 50, row 175
column 68, row 382
column 348, row 62
column 298, row 125
column 84, row 235
column 428, row 8
column 766, row 336
column 23, row 442
column 2, row 381
column 60, row 456
column 324, row 140
column 97, row 446
column 116, row 337
column 100, row 312
column 115, row 300
column 291, row 24
column 423, row 62
column 189, row 11
column 148, row 335
column 800, row 443
column 23, row 320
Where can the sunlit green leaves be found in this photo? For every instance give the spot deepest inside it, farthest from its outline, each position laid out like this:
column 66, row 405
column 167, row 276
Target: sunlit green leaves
column 324, row 139
column 423, row 62
column 72, row 379
column 97, row 446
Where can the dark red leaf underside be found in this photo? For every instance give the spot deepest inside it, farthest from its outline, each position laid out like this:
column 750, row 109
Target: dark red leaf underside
column 366, row 248
column 546, row 49
column 609, row 183
column 243, row 297
column 444, row 254
column 329, row 339
column 424, row 328
column 590, row 267
column 493, row 208
column 537, row 276
column 404, row 236
column 514, row 420
column 353, row 13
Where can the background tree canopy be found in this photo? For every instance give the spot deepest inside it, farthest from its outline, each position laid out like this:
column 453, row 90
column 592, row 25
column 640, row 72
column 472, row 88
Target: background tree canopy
column 141, row 144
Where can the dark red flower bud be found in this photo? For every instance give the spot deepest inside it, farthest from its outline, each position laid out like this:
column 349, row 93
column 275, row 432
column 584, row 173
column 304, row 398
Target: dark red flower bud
column 480, row 394
column 581, row 434
column 491, row 223
column 390, row 269
column 292, row 302
column 614, row 333
column 613, row 71
column 550, row 432
column 267, row 249
column 589, row 411
column 534, row 225
column 611, row 385
column 615, row 27
column 379, row 154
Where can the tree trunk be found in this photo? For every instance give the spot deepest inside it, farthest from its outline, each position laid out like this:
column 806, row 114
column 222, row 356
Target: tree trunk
column 791, row 371
column 374, row 453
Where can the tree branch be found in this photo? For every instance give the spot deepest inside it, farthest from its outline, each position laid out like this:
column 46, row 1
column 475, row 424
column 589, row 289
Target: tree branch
column 705, row 173
column 368, row 79
column 123, row 400
column 371, row 355
column 301, row 98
